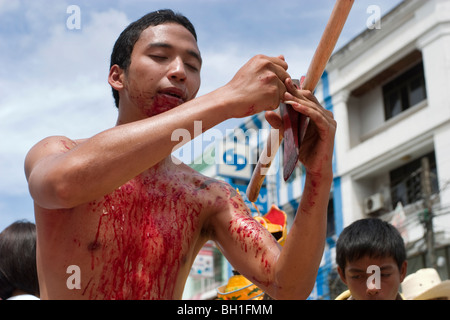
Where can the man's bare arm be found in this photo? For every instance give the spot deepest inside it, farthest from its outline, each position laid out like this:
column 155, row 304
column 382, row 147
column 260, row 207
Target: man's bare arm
column 290, row 272
column 102, row 163
column 284, row 273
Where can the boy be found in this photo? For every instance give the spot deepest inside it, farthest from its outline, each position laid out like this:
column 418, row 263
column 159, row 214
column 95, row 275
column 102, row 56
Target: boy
column 371, row 259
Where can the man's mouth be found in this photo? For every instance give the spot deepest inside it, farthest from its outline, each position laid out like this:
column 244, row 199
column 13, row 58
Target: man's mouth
column 175, row 93
column 167, row 99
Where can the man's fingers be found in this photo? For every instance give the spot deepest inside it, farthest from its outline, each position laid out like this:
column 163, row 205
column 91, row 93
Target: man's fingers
column 280, row 61
column 280, row 67
column 274, row 119
column 322, row 118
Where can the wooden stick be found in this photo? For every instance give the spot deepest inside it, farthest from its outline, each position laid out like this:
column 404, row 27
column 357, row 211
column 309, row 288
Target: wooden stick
column 320, row 59
column 262, row 167
column 327, row 43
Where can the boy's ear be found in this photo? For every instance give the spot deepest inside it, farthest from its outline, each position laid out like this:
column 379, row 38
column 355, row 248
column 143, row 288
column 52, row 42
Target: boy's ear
column 403, row 270
column 342, row 275
column 116, row 77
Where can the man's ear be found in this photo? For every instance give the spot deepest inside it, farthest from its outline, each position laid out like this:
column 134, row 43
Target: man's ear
column 116, row 77
column 342, row 275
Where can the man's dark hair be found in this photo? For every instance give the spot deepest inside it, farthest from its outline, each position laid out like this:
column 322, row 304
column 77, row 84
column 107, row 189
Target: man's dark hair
column 370, row 237
column 121, row 54
column 18, row 259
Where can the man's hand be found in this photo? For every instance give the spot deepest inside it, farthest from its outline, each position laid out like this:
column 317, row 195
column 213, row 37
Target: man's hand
column 258, row 86
column 317, row 146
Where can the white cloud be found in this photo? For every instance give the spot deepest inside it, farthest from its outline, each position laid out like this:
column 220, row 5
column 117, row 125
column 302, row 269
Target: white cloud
column 8, row 5
column 60, row 87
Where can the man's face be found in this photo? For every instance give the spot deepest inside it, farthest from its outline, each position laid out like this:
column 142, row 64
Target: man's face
column 356, row 277
column 164, row 71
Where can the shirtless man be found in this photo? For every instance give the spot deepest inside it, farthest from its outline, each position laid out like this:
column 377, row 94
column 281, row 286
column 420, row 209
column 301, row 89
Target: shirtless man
column 132, row 220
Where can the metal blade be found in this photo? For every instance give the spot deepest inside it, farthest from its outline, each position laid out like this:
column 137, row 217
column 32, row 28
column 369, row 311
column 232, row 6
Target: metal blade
column 291, row 139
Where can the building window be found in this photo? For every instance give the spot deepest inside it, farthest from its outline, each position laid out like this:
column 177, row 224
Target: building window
column 404, row 92
column 406, row 181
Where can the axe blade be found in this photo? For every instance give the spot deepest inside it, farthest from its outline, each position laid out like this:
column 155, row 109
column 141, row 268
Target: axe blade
column 290, row 142
column 295, row 125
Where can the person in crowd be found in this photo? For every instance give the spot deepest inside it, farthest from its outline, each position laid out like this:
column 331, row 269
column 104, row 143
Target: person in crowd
column 371, row 260
column 425, row 284
column 18, row 273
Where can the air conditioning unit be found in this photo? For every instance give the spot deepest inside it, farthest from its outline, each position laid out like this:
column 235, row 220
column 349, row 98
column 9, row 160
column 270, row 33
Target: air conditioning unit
column 373, row 204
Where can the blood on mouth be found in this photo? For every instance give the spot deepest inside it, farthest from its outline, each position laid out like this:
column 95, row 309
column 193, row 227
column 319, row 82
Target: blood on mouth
column 163, row 102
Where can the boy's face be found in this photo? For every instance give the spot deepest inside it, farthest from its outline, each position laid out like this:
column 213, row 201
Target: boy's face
column 164, row 71
column 361, row 280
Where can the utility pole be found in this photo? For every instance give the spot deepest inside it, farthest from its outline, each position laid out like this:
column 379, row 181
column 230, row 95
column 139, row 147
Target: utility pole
column 428, row 212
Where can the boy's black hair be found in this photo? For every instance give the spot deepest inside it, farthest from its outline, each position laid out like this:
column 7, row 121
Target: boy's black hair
column 370, row 237
column 121, row 54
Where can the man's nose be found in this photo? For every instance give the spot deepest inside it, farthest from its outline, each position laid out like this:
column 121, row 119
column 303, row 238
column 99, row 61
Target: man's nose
column 177, row 70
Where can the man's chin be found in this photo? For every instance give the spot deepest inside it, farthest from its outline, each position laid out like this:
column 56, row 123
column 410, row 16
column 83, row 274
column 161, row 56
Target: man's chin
column 163, row 103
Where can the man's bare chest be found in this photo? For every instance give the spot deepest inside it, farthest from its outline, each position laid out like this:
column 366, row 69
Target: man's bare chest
column 145, row 211
column 145, row 235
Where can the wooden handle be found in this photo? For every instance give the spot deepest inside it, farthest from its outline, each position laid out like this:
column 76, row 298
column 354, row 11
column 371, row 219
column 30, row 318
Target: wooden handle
column 327, row 43
column 320, row 59
column 263, row 165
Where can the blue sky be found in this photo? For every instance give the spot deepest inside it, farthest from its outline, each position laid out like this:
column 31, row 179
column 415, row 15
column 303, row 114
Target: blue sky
column 53, row 79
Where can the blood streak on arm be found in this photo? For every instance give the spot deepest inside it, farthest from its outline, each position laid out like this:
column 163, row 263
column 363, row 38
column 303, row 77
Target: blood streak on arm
column 252, row 237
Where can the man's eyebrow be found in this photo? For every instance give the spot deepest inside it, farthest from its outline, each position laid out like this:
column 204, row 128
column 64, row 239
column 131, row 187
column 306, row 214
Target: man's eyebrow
column 192, row 53
column 159, row 45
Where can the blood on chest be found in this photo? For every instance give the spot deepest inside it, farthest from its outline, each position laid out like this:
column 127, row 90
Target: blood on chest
column 145, row 230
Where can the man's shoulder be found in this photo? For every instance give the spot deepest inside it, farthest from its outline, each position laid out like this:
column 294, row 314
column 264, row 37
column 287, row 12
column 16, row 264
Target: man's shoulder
column 208, row 189
column 195, row 178
column 56, row 143
column 46, row 147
